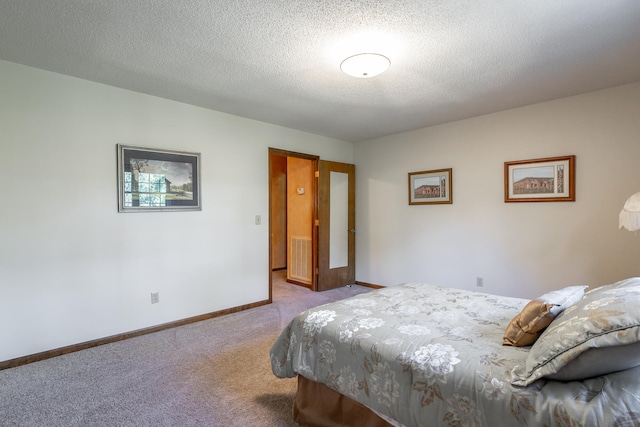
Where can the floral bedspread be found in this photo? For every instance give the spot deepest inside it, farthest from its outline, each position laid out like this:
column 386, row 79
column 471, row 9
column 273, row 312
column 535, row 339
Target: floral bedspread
column 431, row 356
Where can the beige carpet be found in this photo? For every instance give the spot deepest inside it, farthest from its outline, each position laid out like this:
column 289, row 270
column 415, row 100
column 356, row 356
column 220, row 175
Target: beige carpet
column 211, row 373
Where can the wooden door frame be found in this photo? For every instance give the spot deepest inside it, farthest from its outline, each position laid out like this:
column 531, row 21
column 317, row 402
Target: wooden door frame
column 314, row 235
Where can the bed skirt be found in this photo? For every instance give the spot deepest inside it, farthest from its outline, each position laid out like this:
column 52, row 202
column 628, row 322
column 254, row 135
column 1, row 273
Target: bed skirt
column 317, row 405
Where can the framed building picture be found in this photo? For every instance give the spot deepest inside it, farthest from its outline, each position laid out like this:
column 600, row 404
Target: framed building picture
column 430, row 187
column 550, row 179
column 157, row 180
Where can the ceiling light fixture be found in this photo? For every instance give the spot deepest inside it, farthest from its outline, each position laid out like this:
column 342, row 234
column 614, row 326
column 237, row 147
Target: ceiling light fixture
column 365, row 65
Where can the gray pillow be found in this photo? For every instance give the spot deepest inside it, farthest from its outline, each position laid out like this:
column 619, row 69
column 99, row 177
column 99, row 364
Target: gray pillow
column 606, row 319
column 599, row 361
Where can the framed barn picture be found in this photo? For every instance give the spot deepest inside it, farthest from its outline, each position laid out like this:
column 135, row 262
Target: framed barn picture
column 540, row 180
column 430, row 187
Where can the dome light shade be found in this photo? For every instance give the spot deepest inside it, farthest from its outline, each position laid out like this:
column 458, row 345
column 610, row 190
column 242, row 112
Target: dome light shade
column 630, row 214
column 365, row 65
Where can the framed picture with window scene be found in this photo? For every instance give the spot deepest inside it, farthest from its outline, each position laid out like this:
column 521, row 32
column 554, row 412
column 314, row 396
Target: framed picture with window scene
column 430, row 187
column 551, row 179
column 157, row 180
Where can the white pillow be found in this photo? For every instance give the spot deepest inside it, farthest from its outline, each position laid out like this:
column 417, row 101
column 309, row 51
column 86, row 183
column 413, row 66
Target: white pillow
column 563, row 298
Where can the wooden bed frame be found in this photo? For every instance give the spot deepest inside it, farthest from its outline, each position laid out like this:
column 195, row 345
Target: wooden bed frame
column 316, row 404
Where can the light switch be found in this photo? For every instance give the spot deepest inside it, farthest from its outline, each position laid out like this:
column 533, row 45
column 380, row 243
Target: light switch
column 258, row 220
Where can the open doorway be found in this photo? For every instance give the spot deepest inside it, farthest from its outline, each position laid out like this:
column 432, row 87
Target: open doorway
column 311, row 221
column 292, row 214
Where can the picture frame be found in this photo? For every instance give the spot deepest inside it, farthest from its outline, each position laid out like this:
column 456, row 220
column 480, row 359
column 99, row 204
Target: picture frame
column 431, row 187
column 156, row 180
column 550, row 179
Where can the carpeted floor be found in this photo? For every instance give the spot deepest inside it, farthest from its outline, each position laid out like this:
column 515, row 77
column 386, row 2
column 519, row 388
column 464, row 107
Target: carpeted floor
column 211, row 373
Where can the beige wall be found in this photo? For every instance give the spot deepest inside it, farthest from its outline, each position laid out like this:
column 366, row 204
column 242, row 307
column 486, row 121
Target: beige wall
column 72, row 268
column 520, row 249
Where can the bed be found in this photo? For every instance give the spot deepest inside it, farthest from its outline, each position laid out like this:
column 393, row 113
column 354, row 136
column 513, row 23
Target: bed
column 425, row 355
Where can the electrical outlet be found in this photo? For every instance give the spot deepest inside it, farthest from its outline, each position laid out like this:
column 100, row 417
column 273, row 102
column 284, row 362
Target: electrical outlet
column 479, row 282
column 155, row 297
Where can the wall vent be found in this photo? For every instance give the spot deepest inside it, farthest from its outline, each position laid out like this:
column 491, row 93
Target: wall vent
column 300, row 266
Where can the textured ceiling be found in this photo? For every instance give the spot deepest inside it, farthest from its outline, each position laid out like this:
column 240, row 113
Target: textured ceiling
column 279, row 61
